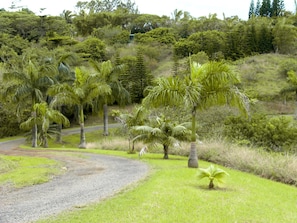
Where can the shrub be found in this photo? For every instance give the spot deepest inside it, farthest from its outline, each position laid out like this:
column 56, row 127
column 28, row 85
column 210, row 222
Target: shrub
column 274, row 134
column 9, row 125
column 288, row 65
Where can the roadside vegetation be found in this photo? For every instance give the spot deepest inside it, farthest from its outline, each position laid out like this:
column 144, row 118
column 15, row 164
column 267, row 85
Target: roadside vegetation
column 21, row 171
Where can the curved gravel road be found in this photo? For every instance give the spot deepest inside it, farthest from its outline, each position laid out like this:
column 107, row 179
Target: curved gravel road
column 88, row 179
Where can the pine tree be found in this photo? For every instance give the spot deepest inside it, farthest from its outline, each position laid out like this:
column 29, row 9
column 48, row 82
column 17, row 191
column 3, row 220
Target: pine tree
column 265, row 9
column 136, row 77
column 257, row 9
column 278, row 8
column 252, row 9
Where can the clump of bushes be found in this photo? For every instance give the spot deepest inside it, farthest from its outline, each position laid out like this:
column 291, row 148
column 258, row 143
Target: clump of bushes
column 9, row 125
column 277, row 134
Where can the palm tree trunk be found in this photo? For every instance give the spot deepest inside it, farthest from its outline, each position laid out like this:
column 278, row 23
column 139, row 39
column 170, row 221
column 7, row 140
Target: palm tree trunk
column 165, row 147
column 211, row 185
column 59, row 130
column 105, row 120
column 59, row 135
column 45, row 141
column 34, row 136
column 34, row 128
column 193, row 158
column 295, row 106
column 82, row 144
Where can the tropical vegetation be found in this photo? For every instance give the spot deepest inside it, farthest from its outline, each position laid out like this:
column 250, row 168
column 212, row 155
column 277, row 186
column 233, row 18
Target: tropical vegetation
column 226, row 78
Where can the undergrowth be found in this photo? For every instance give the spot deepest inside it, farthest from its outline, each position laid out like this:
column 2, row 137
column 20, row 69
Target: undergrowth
column 274, row 166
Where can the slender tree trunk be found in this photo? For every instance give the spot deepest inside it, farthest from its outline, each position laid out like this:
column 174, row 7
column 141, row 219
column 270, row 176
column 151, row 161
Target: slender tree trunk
column 105, row 120
column 166, row 148
column 34, row 136
column 193, row 158
column 211, row 185
column 34, row 128
column 82, row 144
column 295, row 106
column 59, row 135
column 45, row 141
column 59, row 130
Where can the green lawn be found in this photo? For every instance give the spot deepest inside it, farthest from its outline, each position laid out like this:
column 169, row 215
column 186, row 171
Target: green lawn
column 20, row 171
column 172, row 193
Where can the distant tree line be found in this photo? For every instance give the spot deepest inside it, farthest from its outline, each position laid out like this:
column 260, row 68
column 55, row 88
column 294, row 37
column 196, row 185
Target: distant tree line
column 267, row 8
column 134, row 43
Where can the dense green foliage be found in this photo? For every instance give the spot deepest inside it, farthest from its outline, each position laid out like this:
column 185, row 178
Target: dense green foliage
column 144, row 47
column 276, row 133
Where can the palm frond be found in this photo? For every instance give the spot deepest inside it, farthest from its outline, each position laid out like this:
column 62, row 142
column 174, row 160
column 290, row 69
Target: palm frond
column 213, row 173
column 168, row 91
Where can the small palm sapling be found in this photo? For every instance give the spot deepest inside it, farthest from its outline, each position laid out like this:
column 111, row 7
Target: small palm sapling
column 213, row 173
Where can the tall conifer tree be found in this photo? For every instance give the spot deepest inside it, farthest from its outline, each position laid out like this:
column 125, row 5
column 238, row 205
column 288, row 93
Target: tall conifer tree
column 278, row 8
column 257, row 9
column 265, row 9
column 252, row 9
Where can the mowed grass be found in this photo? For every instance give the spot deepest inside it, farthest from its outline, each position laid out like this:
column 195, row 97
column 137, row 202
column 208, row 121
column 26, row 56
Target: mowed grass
column 172, row 193
column 21, row 171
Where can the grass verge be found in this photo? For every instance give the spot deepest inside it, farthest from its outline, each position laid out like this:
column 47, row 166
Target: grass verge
column 21, row 171
column 172, row 193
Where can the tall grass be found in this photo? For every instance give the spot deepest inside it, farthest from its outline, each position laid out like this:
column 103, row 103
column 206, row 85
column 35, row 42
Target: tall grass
column 273, row 166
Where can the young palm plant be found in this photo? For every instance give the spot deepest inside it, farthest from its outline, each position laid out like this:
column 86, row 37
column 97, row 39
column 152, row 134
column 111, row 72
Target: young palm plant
column 213, row 174
column 128, row 120
column 44, row 117
column 162, row 131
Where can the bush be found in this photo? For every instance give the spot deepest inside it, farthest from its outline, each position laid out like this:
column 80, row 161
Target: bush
column 9, row 125
column 287, row 66
column 92, row 48
column 274, row 134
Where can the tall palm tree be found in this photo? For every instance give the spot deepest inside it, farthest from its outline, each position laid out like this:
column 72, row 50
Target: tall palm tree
column 82, row 92
column 64, row 75
column 29, row 86
column 208, row 85
column 162, row 131
column 45, row 115
column 110, row 74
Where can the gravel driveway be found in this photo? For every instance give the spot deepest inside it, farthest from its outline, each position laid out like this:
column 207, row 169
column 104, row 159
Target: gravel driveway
column 88, row 179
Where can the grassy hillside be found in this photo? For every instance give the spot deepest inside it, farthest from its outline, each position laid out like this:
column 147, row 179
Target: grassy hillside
column 263, row 77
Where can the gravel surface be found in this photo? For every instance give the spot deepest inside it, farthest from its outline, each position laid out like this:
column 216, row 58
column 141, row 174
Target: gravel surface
column 88, row 179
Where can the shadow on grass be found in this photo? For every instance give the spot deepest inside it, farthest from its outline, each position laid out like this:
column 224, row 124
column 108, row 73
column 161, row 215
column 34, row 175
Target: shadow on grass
column 205, row 188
